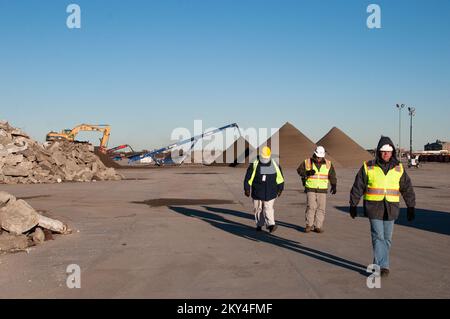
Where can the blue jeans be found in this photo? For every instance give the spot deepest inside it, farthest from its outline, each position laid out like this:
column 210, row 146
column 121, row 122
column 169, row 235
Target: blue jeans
column 381, row 241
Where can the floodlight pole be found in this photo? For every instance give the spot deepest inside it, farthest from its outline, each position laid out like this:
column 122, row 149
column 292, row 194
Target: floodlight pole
column 412, row 112
column 400, row 107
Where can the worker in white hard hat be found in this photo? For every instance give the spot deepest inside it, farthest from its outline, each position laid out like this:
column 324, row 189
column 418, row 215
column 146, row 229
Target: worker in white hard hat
column 264, row 181
column 317, row 173
column 382, row 182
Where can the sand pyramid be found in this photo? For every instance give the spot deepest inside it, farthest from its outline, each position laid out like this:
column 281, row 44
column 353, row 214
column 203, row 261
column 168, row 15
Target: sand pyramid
column 344, row 149
column 238, row 154
column 294, row 147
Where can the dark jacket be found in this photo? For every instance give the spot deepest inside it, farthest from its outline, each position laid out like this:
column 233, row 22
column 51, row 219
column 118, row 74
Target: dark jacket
column 267, row 190
column 382, row 210
column 301, row 170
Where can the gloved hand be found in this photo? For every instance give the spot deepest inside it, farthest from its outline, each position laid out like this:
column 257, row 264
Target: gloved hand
column 333, row 189
column 279, row 193
column 353, row 211
column 411, row 213
column 306, row 191
column 247, row 192
column 310, row 173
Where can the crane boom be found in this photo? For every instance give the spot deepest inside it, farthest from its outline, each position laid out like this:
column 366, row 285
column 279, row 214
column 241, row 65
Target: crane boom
column 192, row 140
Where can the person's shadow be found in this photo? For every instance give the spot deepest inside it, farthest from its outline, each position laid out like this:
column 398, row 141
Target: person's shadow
column 247, row 232
column 251, row 217
column 428, row 220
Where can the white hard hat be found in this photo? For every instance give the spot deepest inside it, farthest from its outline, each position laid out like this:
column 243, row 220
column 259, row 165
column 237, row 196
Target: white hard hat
column 320, row 152
column 387, row 148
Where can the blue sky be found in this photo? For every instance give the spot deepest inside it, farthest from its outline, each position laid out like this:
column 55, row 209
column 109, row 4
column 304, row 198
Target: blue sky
column 146, row 67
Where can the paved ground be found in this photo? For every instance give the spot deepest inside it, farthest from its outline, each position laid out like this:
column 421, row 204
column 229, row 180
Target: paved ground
column 127, row 249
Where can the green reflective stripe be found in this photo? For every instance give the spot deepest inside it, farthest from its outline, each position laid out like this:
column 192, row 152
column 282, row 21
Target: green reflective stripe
column 255, row 166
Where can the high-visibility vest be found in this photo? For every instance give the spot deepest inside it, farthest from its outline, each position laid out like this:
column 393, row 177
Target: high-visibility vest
column 320, row 179
column 381, row 186
column 280, row 178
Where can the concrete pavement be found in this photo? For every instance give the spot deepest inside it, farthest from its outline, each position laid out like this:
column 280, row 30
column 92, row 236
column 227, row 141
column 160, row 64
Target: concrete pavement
column 145, row 238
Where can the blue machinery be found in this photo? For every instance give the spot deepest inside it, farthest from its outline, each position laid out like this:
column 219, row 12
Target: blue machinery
column 161, row 161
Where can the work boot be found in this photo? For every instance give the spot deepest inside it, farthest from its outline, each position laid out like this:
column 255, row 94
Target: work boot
column 273, row 228
column 319, row 230
column 385, row 272
column 308, row 229
column 259, row 228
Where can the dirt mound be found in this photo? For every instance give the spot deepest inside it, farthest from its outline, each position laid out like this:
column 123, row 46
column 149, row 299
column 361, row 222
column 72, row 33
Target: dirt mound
column 241, row 153
column 344, row 149
column 106, row 159
column 293, row 147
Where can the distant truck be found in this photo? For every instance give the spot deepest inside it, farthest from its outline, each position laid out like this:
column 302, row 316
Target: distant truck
column 442, row 156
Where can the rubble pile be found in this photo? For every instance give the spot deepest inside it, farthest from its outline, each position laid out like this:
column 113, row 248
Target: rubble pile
column 25, row 161
column 21, row 226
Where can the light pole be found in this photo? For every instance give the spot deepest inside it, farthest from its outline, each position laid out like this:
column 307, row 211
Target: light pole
column 400, row 107
column 412, row 112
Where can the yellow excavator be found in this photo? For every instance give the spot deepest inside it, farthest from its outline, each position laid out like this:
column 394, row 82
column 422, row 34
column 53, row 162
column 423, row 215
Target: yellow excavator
column 70, row 134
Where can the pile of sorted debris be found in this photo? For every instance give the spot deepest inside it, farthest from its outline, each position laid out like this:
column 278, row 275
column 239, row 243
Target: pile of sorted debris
column 25, row 161
column 22, row 227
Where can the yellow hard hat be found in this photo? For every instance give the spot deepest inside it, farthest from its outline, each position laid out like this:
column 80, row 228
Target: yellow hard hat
column 266, row 152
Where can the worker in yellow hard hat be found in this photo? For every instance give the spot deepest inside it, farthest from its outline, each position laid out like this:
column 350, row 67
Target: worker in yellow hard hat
column 264, row 181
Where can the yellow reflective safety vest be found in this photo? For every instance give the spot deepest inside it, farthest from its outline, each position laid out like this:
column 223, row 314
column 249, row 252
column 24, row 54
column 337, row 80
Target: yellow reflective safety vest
column 381, row 186
column 320, row 179
column 280, row 178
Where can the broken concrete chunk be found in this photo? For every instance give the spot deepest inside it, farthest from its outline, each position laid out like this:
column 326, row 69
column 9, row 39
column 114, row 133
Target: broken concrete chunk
column 19, row 132
column 27, row 166
column 53, row 225
column 13, row 148
column 59, row 157
column 38, row 236
column 11, row 243
column 18, row 217
column 5, row 198
column 14, row 171
column 13, row 160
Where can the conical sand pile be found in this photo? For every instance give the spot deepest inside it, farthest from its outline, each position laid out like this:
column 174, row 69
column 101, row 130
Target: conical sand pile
column 294, row 147
column 344, row 149
column 240, row 153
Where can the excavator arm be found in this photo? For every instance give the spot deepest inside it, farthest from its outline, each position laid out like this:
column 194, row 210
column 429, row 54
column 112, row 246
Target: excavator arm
column 70, row 135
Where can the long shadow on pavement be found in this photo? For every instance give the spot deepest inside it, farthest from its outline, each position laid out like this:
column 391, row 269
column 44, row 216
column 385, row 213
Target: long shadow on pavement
column 428, row 220
column 251, row 217
column 249, row 233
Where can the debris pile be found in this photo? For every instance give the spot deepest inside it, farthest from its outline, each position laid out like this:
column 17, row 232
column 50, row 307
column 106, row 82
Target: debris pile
column 25, row 161
column 21, row 226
